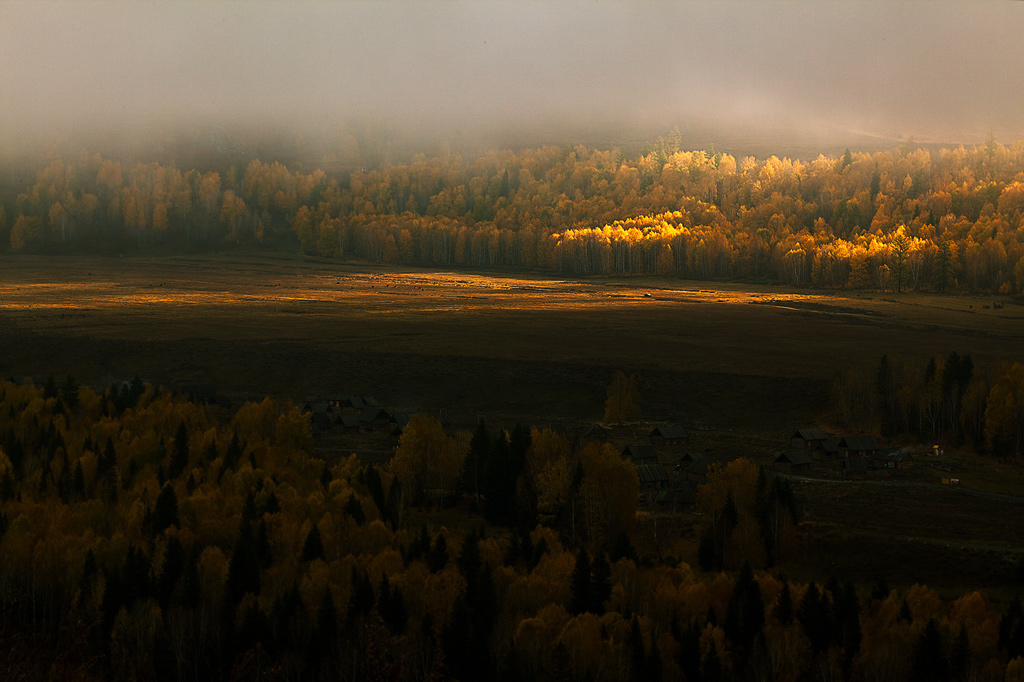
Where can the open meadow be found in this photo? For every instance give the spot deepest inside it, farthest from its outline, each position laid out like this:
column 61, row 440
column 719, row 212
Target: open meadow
column 526, row 347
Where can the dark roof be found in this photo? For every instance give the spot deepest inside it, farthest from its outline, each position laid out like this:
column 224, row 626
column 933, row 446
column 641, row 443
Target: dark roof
column 651, row 473
column 594, row 431
column 370, row 401
column 699, row 466
column 794, row 458
column 896, row 455
column 347, row 420
column 370, row 414
column 321, row 421
column 859, row 443
column 353, row 401
column 810, row 434
column 670, row 432
column 402, row 419
column 639, row 452
column 320, row 408
column 690, row 457
column 828, row 446
column 855, row 465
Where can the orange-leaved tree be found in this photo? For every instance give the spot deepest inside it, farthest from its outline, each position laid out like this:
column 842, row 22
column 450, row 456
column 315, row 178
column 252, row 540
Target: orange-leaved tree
column 621, row 405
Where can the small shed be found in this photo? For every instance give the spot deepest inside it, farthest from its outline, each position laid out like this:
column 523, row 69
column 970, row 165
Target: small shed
column 794, row 459
column 673, row 434
column 640, row 453
column 862, row 446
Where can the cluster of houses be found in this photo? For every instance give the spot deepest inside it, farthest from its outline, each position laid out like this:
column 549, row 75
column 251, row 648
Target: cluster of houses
column 660, row 491
column 352, row 414
column 854, row 455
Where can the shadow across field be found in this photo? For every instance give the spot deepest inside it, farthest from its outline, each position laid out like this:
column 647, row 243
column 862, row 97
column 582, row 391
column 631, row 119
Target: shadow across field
column 535, row 347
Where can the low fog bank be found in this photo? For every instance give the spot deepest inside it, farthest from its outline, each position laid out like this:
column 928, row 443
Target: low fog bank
column 180, row 81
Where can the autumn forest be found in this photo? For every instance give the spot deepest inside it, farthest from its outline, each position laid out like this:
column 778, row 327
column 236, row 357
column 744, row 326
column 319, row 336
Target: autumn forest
column 147, row 534
column 908, row 218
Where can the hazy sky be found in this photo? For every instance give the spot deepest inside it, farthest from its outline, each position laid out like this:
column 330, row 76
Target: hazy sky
column 937, row 71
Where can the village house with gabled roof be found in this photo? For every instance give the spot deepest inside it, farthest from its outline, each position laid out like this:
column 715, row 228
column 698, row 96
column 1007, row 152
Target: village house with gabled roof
column 793, row 459
column 348, row 423
column 673, row 434
column 808, row 438
column 863, row 446
column 652, row 476
column 322, row 424
column 640, row 453
column 374, row 418
column 594, row 432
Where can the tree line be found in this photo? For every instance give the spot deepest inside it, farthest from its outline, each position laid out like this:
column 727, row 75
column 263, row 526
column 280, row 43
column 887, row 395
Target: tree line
column 940, row 399
column 900, row 219
column 144, row 536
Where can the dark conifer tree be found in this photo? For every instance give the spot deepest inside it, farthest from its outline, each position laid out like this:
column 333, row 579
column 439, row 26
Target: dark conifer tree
column 325, row 631
column 638, row 653
column 313, row 547
column 471, row 479
column 362, row 599
column 711, row 670
column 602, row 585
column 688, row 652
column 50, row 388
column 165, row 511
column 1011, row 630
column 622, row 548
column 354, row 508
column 960, row 657
column 171, row 569
column 89, row 572
column 815, row 617
column 905, row 614
column 470, row 563
column 783, row 610
column 437, row 559
column 264, row 556
column 233, row 455
column 881, row 590
column 243, row 569
column 581, row 584
column 929, row 663
column 499, row 482
column 179, row 453
column 69, row 392
column 376, row 489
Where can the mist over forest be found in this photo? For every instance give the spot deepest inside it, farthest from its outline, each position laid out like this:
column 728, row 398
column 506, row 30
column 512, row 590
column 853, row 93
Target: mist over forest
column 289, row 79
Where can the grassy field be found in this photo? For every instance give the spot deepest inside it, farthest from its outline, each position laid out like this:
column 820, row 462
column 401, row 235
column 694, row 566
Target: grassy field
column 754, row 361
column 755, row 357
